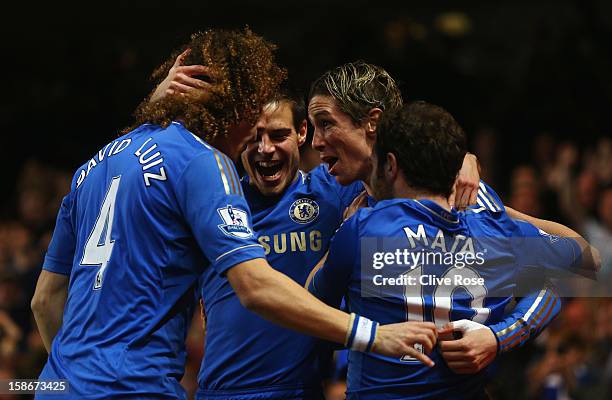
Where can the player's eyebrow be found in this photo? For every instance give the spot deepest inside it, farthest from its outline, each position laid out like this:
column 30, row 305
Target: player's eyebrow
column 281, row 131
column 319, row 114
column 322, row 113
column 274, row 130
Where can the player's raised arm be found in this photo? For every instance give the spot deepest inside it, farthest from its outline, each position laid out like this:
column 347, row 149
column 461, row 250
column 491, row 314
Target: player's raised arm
column 183, row 79
column 465, row 189
column 590, row 260
column 279, row 299
column 480, row 344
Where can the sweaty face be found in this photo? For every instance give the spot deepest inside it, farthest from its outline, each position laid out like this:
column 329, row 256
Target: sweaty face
column 343, row 145
column 273, row 157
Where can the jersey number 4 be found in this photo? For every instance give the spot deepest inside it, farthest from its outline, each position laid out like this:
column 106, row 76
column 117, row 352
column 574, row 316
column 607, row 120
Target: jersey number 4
column 99, row 246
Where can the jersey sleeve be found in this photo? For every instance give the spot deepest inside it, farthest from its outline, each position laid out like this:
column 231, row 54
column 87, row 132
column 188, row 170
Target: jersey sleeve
column 488, row 199
column 537, row 250
column 531, row 315
column 215, row 209
column 331, row 282
column 60, row 254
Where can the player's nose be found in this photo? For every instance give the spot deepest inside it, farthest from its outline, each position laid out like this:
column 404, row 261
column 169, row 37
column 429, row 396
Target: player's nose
column 265, row 145
column 317, row 141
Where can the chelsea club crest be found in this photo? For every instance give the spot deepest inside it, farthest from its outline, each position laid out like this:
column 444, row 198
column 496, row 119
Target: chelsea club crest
column 236, row 222
column 304, row 211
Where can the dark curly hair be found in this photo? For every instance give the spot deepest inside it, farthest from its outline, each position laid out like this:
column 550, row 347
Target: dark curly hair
column 246, row 78
column 427, row 142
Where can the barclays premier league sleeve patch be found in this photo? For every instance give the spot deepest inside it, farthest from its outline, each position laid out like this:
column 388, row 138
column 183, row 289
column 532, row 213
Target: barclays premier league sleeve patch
column 235, row 222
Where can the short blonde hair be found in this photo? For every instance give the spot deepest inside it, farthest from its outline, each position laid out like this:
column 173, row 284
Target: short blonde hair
column 358, row 87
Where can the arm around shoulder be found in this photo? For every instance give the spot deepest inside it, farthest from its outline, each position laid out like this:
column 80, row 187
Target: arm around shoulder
column 279, row 299
column 591, row 259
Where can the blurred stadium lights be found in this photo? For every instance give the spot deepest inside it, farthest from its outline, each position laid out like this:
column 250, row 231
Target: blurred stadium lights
column 398, row 32
column 453, row 23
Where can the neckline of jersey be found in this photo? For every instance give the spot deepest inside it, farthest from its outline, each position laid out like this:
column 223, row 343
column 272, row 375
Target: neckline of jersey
column 254, row 195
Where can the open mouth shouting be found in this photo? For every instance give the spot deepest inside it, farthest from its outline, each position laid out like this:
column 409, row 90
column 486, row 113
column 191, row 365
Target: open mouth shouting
column 331, row 163
column 269, row 171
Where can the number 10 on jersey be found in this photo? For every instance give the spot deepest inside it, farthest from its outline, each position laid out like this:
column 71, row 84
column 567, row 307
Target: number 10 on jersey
column 99, row 246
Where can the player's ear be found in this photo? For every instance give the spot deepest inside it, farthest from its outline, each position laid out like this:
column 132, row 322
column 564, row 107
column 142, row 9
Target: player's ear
column 373, row 118
column 302, row 133
column 391, row 167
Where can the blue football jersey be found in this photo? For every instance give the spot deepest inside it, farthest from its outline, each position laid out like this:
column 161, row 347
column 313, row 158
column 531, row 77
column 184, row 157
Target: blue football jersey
column 247, row 357
column 145, row 217
column 434, row 279
column 538, row 303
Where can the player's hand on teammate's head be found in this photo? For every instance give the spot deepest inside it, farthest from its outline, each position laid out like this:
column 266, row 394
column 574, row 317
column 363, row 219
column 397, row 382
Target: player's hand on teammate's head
column 398, row 340
column 469, row 354
column 185, row 79
column 465, row 189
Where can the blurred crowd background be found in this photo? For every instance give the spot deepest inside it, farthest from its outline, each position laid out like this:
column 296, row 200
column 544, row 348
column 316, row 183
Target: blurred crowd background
column 529, row 81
